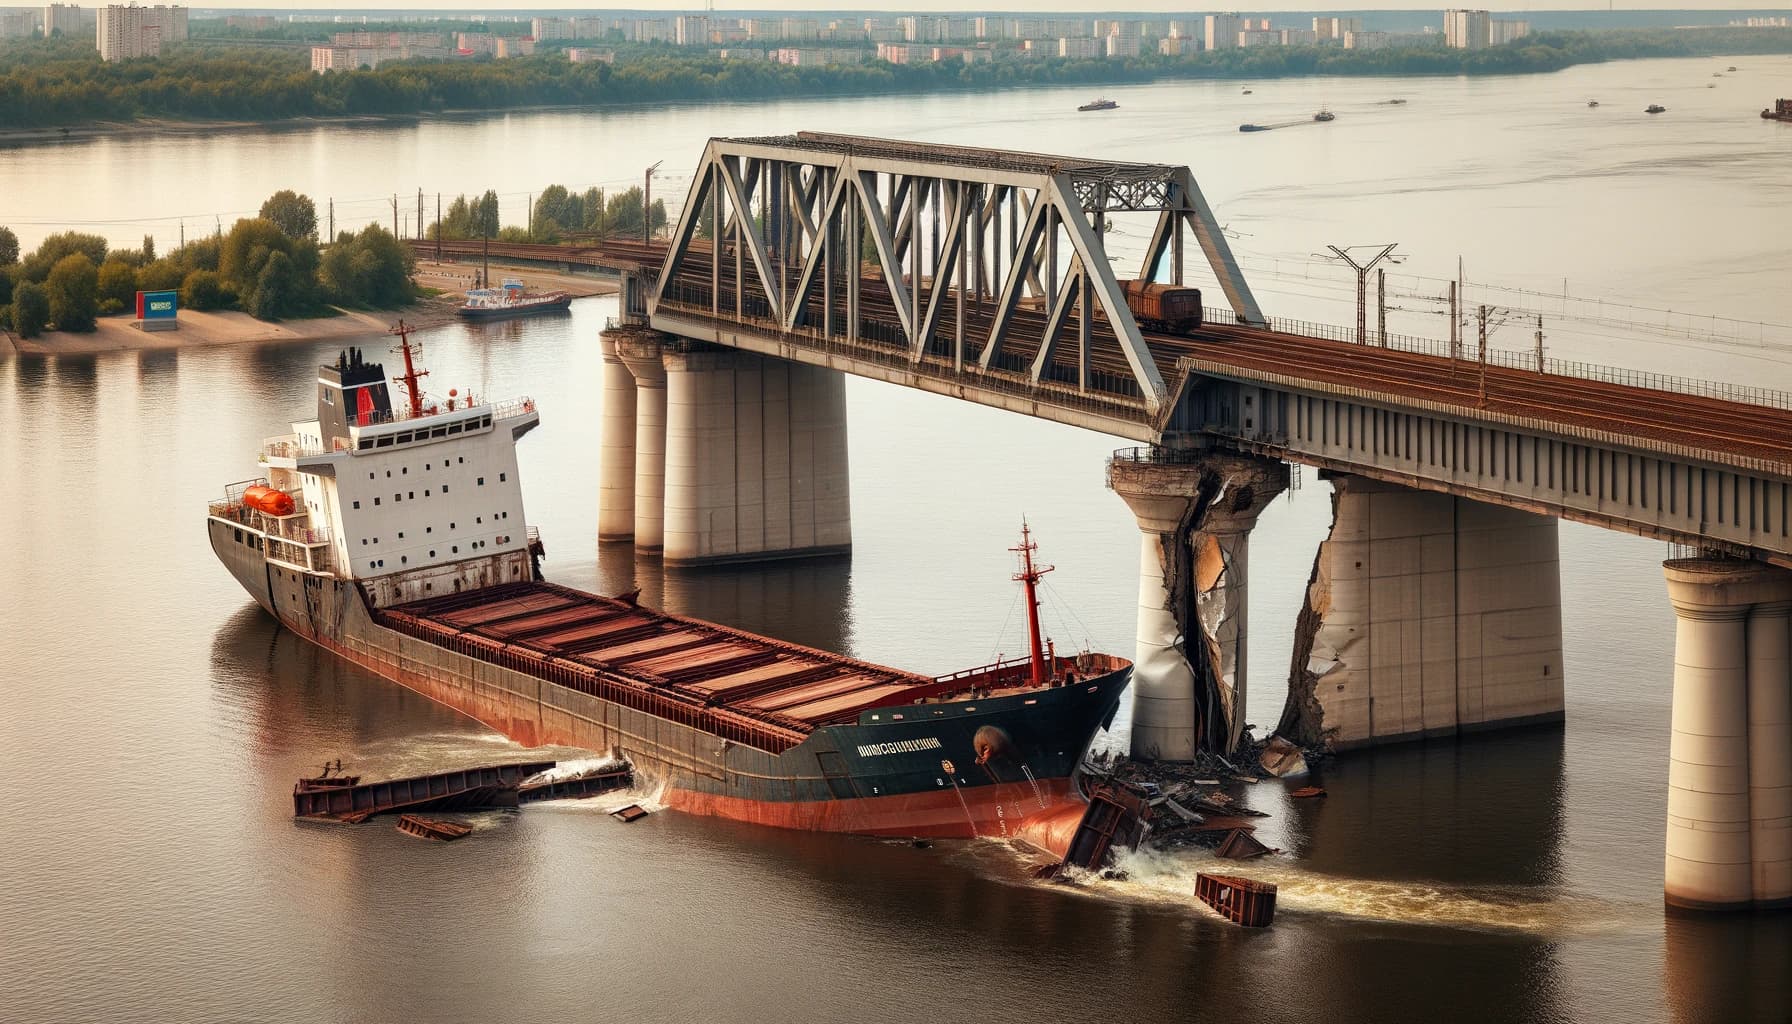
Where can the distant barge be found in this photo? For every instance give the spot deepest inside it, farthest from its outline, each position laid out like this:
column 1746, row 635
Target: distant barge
column 1780, row 111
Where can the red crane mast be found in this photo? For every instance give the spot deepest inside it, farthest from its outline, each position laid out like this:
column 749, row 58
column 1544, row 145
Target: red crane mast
column 1029, row 574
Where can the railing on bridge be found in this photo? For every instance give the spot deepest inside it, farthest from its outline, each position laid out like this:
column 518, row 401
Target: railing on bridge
column 1527, row 360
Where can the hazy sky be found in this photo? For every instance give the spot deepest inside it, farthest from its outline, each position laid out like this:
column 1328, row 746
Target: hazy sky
column 1163, row 6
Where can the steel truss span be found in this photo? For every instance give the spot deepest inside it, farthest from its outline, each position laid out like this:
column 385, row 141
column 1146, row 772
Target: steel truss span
column 969, row 263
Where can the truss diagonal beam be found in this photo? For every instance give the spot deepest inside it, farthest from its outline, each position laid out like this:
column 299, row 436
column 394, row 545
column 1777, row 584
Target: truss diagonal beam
column 749, row 232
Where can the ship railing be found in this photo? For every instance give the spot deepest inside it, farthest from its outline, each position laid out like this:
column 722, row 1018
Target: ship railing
column 288, row 447
column 512, row 408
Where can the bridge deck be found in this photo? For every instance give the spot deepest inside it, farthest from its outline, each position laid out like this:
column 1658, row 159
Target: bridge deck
column 1689, row 421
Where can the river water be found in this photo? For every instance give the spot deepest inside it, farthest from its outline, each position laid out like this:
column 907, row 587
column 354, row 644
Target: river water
column 152, row 719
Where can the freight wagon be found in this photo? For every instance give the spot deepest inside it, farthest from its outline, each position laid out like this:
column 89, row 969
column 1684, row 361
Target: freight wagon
column 1164, row 307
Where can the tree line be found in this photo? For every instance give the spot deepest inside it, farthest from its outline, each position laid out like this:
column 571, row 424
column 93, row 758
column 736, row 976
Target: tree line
column 558, row 215
column 270, row 266
column 56, row 82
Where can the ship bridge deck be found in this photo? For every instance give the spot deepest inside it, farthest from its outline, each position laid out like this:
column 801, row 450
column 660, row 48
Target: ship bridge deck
column 735, row 684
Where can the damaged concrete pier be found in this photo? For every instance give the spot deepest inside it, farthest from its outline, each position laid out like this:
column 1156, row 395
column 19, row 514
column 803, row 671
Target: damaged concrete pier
column 1426, row 615
column 1195, row 510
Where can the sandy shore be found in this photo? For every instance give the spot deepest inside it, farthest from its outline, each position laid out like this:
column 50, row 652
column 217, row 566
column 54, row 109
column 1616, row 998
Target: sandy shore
column 116, row 333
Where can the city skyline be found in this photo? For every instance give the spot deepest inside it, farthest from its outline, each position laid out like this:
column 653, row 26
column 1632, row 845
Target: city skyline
column 1155, row 7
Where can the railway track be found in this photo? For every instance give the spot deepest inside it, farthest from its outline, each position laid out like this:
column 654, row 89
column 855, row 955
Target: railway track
column 1687, row 420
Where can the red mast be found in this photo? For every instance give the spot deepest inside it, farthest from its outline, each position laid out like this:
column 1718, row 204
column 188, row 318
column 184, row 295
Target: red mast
column 1029, row 574
column 411, row 374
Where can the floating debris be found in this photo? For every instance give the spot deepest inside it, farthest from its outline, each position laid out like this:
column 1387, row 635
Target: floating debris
column 1307, row 793
column 432, row 828
column 631, row 813
column 1240, row 844
column 1115, row 817
column 1242, row 901
column 595, row 782
column 348, row 799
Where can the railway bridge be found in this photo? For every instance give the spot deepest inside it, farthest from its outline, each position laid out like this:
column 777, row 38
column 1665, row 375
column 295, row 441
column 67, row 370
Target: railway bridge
column 1434, row 605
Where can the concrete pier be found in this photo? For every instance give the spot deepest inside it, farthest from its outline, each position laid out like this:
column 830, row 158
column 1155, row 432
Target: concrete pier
column 1426, row 615
column 1195, row 512
column 616, row 445
column 756, row 463
column 1729, row 829
column 642, row 352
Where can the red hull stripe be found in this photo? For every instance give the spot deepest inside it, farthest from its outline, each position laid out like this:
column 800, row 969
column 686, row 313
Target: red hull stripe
column 999, row 811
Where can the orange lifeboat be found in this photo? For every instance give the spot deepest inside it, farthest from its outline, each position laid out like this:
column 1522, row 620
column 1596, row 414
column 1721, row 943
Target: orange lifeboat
column 269, row 500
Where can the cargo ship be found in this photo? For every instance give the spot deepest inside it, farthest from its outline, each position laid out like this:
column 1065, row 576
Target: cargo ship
column 395, row 537
column 511, row 301
column 1100, row 104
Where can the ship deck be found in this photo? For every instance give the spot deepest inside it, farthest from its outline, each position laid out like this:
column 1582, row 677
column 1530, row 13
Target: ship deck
column 732, row 683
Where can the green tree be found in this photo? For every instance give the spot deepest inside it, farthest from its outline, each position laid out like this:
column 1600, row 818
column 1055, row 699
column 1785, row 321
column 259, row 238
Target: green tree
column 30, row 309
column 160, row 276
column 204, row 290
column 369, row 269
column 73, row 289
column 149, row 248
column 9, row 247
column 62, row 244
column 294, row 214
column 280, row 289
column 117, row 285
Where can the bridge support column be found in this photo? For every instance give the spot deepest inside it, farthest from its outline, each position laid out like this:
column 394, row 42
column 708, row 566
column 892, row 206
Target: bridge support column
column 1195, row 512
column 641, row 352
column 1426, row 615
column 755, row 460
column 1729, row 827
column 616, row 445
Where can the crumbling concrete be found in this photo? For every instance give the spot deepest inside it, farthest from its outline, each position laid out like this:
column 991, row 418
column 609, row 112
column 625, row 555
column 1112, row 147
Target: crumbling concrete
column 1426, row 615
column 1195, row 511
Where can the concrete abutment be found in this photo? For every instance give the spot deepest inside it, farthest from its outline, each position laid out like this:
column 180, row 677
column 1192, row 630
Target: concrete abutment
column 616, row 445
column 1426, row 615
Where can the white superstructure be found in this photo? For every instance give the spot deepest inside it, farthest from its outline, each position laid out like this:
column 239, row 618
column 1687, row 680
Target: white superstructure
column 410, row 502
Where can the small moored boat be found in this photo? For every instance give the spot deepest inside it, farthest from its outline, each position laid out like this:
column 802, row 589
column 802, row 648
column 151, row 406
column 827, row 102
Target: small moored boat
column 511, row 300
column 1100, row 104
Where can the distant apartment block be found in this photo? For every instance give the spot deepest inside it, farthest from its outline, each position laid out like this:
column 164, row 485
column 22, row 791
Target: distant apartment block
column 1467, row 30
column 1222, row 30
column 587, row 55
column 1122, row 45
column 814, row 57
column 1177, row 46
column 63, row 19
column 1502, row 32
column 514, row 46
column 691, row 30
column 1367, row 40
column 20, row 24
column 1297, row 37
column 1333, row 29
column 351, row 50
column 551, row 28
column 736, row 53
column 251, row 22
column 474, row 43
column 123, row 32
column 648, row 30
column 1082, row 48
column 903, row 53
column 1259, row 37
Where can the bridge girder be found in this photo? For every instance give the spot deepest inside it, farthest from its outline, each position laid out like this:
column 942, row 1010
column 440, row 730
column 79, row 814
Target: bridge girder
column 943, row 227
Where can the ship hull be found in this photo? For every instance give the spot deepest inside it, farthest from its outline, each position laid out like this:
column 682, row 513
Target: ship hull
column 560, row 305
column 908, row 772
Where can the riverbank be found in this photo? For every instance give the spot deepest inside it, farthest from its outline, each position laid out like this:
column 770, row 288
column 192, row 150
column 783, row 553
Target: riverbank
column 197, row 329
column 69, row 89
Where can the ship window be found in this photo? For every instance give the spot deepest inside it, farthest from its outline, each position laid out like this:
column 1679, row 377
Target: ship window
column 451, row 526
column 404, row 438
column 366, row 443
column 329, row 397
column 426, row 467
column 455, row 549
column 239, row 536
column 479, row 519
column 439, row 432
column 370, row 474
column 503, row 477
column 376, row 501
column 363, row 541
column 404, row 471
column 388, row 474
column 432, row 552
column 401, row 535
column 429, row 529
column 444, row 488
column 485, row 421
column 482, row 481
column 454, row 428
column 411, row 495
column 460, row 458
column 403, row 559
column 397, row 496
column 426, row 492
column 357, row 504
column 384, row 441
